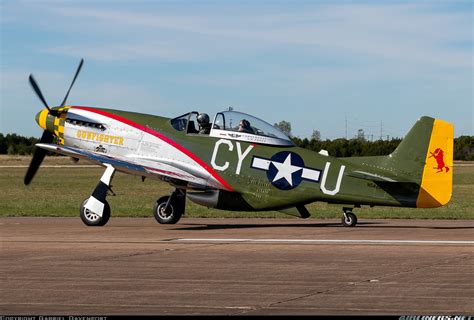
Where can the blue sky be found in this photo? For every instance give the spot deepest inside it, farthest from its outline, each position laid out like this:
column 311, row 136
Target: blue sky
column 312, row 63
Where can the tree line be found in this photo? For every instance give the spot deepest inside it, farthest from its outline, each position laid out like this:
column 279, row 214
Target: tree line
column 463, row 146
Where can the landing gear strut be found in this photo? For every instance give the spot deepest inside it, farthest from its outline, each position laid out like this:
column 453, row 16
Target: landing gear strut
column 169, row 209
column 348, row 219
column 95, row 210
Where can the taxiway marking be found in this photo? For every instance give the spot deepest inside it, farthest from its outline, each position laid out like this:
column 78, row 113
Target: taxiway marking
column 328, row 241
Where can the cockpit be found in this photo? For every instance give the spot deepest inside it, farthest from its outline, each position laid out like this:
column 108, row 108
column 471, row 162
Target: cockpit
column 231, row 125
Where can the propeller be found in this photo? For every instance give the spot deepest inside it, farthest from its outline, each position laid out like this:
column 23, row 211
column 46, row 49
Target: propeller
column 36, row 88
column 47, row 136
column 38, row 157
column 72, row 83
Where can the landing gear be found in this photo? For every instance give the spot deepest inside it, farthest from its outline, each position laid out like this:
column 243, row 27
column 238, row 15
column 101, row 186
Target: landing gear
column 349, row 219
column 95, row 210
column 93, row 219
column 169, row 209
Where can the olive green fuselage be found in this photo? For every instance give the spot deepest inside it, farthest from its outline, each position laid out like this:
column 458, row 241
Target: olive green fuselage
column 259, row 181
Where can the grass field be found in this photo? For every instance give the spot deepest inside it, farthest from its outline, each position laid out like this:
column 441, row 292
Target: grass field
column 59, row 192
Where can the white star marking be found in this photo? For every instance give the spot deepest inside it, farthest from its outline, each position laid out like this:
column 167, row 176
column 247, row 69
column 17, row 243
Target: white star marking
column 285, row 170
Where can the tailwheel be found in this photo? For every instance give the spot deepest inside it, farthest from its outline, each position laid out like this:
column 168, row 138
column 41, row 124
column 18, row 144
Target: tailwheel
column 169, row 209
column 349, row 219
column 93, row 219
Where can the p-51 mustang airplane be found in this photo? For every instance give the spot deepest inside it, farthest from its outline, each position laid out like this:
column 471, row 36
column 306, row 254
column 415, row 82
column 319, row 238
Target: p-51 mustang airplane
column 239, row 162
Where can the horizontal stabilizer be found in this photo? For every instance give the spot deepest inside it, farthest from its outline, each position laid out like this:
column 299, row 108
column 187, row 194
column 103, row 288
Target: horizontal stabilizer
column 372, row 176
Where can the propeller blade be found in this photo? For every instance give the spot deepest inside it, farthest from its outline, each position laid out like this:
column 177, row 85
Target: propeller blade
column 72, row 83
column 36, row 88
column 38, row 157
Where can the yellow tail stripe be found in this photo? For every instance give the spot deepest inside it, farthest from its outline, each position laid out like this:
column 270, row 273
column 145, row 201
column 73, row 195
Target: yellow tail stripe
column 437, row 181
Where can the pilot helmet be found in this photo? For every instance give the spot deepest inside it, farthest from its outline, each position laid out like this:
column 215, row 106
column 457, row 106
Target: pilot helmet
column 244, row 123
column 203, row 119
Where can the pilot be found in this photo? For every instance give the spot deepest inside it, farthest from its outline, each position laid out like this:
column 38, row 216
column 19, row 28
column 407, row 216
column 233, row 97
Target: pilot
column 244, row 126
column 204, row 124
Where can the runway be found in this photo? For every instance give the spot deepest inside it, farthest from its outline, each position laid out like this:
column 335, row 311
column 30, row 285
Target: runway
column 236, row 267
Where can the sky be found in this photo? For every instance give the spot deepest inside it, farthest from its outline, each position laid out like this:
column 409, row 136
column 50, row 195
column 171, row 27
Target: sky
column 331, row 66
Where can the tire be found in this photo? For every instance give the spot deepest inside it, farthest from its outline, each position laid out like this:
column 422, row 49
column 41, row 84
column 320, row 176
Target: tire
column 350, row 221
column 91, row 219
column 175, row 211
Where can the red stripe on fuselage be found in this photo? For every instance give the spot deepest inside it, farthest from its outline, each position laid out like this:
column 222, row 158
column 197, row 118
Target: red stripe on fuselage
column 162, row 137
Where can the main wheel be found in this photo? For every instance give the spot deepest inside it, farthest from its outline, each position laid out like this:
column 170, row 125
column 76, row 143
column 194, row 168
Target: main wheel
column 349, row 219
column 92, row 219
column 171, row 215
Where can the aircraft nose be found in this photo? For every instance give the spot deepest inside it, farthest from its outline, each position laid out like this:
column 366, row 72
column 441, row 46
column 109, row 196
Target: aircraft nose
column 40, row 118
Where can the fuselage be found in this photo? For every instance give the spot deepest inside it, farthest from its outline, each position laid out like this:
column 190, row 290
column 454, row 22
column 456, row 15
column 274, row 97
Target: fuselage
column 251, row 176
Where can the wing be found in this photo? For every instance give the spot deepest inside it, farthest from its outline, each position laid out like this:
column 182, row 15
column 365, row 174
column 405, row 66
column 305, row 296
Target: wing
column 174, row 173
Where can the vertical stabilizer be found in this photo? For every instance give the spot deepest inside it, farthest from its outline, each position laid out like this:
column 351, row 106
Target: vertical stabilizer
column 422, row 164
column 425, row 156
column 437, row 179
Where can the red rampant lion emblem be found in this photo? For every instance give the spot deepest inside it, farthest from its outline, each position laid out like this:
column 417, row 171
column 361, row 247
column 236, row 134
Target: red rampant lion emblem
column 438, row 154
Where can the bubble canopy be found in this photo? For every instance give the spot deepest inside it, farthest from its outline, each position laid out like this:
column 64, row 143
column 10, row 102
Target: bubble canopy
column 236, row 125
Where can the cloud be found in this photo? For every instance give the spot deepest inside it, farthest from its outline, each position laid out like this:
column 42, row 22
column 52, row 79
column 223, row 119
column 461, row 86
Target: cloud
column 113, row 52
column 406, row 33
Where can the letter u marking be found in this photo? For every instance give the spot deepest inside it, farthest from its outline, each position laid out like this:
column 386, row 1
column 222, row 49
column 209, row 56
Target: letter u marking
column 338, row 183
